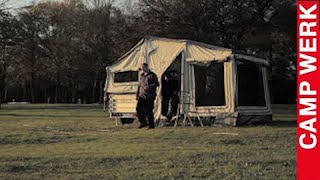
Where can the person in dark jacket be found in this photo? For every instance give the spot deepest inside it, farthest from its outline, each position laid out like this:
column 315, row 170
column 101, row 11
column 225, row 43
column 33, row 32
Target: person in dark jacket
column 146, row 95
column 170, row 98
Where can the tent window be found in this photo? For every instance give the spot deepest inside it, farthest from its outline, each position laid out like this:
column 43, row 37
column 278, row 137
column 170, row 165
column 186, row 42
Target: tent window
column 250, row 84
column 209, row 83
column 127, row 76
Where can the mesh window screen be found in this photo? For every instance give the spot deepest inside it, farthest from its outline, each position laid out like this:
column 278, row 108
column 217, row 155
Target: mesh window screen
column 127, row 76
column 250, row 84
column 210, row 85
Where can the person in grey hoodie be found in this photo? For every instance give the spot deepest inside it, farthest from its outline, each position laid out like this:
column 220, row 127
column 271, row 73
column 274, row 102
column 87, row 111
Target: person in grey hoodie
column 146, row 95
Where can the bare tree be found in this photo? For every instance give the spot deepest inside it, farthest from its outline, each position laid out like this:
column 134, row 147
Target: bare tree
column 3, row 4
column 2, row 78
column 7, row 35
column 97, row 4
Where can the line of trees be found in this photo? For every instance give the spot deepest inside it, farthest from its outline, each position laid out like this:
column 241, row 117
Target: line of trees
column 57, row 51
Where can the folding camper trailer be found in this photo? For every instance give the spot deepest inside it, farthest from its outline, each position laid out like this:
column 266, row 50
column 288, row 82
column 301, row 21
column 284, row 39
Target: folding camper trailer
column 215, row 82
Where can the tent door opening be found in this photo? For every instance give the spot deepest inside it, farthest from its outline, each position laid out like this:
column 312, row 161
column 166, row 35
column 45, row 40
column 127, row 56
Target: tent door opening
column 170, row 87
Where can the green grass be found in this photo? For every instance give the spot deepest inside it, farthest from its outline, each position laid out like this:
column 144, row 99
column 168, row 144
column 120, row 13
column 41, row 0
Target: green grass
column 81, row 142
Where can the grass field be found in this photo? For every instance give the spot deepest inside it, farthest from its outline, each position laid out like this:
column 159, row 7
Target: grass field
column 81, row 142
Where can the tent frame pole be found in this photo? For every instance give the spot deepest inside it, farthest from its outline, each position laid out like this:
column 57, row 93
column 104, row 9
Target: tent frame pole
column 182, row 108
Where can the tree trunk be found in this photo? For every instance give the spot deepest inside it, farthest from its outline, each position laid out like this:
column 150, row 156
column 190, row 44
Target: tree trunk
column 2, row 79
column 1, row 93
column 57, row 93
column 77, row 91
column 24, row 93
column 6, row 94
column 32, row 85
column 93, row 98
column 1, row 90
column 17, row 95
column 101, row 91
column 73, row 92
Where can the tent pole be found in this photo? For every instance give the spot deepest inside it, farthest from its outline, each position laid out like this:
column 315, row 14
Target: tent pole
column 182, row 108
column 266, row 87
column 146, row 53
column 105, row 88
column 235, row 81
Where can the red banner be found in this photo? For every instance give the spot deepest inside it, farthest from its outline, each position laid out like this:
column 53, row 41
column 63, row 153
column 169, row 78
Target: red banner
column 308, row 165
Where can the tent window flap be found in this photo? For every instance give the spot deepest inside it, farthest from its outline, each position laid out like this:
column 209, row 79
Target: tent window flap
column 209, row 82
column 127, row 76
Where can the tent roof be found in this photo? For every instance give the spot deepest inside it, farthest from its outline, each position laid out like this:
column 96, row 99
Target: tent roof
column 252, row 58
column 190, row 42
column 195, row 46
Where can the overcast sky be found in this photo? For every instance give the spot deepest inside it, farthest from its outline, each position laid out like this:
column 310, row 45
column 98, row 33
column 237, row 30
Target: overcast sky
column 22, row 3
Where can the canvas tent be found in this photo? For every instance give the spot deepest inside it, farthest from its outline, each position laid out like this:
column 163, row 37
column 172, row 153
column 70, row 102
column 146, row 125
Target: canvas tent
column 229, row 87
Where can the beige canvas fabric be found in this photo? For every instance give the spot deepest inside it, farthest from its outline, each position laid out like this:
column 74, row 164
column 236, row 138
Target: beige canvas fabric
column 159, row 53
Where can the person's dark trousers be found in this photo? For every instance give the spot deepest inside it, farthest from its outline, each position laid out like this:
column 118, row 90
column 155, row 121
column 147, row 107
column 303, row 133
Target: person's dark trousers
column 165, row 105
column 174, row 105
column 140, row 112
column 173, row 101
column 145, row 109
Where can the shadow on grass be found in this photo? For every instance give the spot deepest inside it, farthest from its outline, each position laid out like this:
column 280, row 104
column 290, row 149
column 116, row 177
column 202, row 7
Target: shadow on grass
column 51, row 107
column 46, row 115
column 66, row 165
column 279, row 124
column 20, row 140
column 282, row 124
